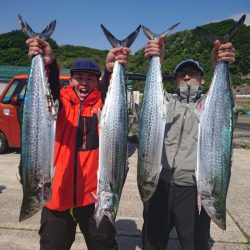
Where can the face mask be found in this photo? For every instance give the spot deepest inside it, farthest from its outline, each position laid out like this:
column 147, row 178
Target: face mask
column 189, row 91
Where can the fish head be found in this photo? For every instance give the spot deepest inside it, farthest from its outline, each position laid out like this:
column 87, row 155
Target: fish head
column 217, row 214
column 105, row 206
column 146, row 189
column 32, row 202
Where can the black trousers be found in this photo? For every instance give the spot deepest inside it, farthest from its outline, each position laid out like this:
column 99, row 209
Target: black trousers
column 58, row 228
column 170, row 206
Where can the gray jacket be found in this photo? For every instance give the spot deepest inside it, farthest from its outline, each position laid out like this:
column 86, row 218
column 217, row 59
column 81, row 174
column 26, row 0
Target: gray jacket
column 181, row 135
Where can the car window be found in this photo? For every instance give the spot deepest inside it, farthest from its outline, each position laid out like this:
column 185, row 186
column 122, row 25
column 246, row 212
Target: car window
column 16, row 88
column 22, row 93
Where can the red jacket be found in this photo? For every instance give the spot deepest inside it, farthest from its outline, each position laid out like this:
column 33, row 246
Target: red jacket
column 76, row 151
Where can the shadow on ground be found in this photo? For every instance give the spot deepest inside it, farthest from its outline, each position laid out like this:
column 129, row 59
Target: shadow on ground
column 129, row 236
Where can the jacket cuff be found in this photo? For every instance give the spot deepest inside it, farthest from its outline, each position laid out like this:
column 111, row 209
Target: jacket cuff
column 52, row 67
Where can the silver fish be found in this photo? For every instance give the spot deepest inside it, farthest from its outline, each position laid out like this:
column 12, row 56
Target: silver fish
column 151, row 125
column 113, row 140
column 215, row 140
column 38, row 133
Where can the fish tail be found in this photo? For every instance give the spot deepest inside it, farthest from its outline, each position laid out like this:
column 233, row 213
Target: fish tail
column 93, row 197
column 227, row 37
column 45, row 34
column 151, row 35
column 127, row 42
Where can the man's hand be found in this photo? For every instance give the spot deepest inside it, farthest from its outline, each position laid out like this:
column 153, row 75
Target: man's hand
column 38, row 46
column 119, row 54
column 222, row 52
column 155, row 48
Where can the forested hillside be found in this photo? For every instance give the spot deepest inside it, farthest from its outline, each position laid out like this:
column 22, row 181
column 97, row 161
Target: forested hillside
column 190, row 44
column 179, row 46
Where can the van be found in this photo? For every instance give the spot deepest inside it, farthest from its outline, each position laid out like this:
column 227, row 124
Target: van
column 11, row 102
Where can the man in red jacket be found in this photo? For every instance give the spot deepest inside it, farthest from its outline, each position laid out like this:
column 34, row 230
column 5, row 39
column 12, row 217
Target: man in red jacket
column 76, row 151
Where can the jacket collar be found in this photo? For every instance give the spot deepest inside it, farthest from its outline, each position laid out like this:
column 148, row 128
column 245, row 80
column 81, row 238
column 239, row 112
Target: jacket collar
column 189, row 92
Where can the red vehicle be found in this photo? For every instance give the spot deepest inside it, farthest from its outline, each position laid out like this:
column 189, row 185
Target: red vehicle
column 11, row 101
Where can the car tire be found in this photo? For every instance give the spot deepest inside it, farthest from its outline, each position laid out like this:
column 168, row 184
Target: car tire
column 3, row 143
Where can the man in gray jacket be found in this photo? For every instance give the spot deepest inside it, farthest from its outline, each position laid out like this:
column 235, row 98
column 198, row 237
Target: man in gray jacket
column 174, row 202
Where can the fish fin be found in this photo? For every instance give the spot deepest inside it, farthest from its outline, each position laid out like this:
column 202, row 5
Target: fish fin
column 56, row 108
column 227, row 37
column 45, row 34
column 199, row 203
column 18, row 178
column 197, row 114
column 118, row 43
column 93, row 197
column 150, row 35
column 99, row 115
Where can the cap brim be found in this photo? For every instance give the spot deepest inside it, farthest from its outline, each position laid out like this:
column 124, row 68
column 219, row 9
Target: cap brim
column 188, row 63
column 83, row 70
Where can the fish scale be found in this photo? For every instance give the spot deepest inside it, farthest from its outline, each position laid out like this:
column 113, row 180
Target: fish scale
column 151, row 131
column 215, row 135
column 38, row 134
column 113, row 147
column 151, row 125
column 215, row 146
column 112, row 169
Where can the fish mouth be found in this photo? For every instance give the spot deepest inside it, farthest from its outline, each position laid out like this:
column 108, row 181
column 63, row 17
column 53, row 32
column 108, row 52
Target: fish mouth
column 146, row 189
column 217, row 215
column 30, row 206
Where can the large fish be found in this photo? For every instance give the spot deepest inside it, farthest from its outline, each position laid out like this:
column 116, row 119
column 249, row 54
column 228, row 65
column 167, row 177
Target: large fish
column 215, row 140
column 38, row 133
column 151, row 125
column 113, row 140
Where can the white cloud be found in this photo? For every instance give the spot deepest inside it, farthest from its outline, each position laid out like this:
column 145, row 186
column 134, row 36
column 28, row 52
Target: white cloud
column 237, row 16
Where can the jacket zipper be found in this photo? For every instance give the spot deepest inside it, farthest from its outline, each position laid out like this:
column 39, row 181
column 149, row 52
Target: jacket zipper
column 180, row 138
column 75, row 162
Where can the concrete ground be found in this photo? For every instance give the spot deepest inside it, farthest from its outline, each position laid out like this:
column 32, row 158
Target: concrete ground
column 22, row 236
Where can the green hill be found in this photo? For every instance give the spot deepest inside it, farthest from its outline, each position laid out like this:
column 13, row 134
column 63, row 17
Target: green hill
column 189, row 44
column 179, row 46
column 13, row 51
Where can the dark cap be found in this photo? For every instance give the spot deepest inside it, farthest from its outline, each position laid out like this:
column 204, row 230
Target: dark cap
column 189, row 62
column 85, row 65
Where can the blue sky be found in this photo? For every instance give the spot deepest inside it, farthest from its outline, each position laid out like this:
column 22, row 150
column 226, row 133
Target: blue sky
column 78, row 21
